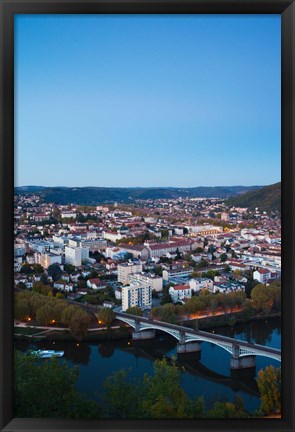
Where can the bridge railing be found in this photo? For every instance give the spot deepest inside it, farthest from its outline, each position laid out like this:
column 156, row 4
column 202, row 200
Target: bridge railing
column 250, row 347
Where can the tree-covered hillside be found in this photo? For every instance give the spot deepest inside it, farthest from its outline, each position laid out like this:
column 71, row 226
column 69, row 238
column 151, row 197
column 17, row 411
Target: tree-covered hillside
column 266, row 199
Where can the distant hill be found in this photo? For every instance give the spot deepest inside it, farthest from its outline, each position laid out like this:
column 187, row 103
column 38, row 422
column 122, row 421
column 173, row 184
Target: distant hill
column 266, row 199
column 95, row 195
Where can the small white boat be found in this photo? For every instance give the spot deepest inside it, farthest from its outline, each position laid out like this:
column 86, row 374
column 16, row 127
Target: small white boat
column 47, row 353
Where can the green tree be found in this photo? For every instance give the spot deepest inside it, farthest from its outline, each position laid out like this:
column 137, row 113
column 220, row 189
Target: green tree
column 54, row 271
column 41, row 288
column 163, row 395
column 164, row 233
column 67, row 314
column 69, row 268
column 166, row 297
column 223, row 257
column 38, row 269
column 44, row 279
column 121, row 396
column 202, row 263
column 45, row 314
column 27, row 269
column 262, row 298
column 269, row 385
column 158, row 271
column 48, row 389
column 276, row 289
column 106, row 315
column 79, row 323
column 134, row 310
column 226, row 410
column 248, row 310
column 21, row 308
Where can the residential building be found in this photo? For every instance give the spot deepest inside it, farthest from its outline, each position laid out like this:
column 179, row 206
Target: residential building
column 69, row 215
column 147, row 279
column 96, row 284
column 112, row 236
column 73, row 255
column 228, row 287
column 197, row 284
column 92, row 244
column 138, row 251
column 181, row 272
column 180, row 292
column 46, row 259
column 262, row 275
column 19, row 249
column 125, row 269
column 138, row 295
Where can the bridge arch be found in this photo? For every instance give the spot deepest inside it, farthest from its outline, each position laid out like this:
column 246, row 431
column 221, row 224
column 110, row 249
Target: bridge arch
column 174, row 333
column 127, row 321
column 132, row 323
column 227, row 348
column 189, row 337
column 262, row 354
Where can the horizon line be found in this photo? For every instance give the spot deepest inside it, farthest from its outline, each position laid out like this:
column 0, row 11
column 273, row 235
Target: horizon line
column 145, row 187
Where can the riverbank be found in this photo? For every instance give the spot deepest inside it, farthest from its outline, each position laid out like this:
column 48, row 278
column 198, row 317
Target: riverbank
column 35, row 334
column 229, row 320
column 118, row 332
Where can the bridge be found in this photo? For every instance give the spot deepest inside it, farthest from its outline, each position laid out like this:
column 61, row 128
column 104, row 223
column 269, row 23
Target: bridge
column 243, row 354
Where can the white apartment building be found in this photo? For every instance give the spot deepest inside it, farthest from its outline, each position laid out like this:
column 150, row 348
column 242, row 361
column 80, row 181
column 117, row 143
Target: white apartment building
column 92, row 244
column 180, row 292
column 63, row 240
column 228, row 287
column 84, row 253
column 19, row 249
column 112, row 236
column 125, row 269
column 170, row 274
column 69, row 215
column 262, row 275
column 73, row 256
column 136, row 295
column 197, row 284
column 204, row 230
column 147, row 279
column 46, row 259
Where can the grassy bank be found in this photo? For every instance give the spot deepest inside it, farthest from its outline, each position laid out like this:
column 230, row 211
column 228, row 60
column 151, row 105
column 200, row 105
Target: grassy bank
column 65, row 335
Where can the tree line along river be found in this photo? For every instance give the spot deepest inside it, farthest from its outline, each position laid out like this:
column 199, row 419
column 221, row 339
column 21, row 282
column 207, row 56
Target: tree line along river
column 204, row 374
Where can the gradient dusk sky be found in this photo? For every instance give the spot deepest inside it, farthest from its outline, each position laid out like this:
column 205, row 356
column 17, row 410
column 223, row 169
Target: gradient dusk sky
column 130, row 100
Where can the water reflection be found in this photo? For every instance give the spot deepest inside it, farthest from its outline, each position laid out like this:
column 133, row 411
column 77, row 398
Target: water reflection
column 106, row 349
column 204, row 373
column 260, row 331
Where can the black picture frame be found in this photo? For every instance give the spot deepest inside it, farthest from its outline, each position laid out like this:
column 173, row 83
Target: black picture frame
column 10, row 7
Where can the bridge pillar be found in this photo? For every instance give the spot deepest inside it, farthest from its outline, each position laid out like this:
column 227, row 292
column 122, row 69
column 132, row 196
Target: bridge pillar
column 244, row 362
column 137, row 325
column 188, row 347
column 144, row 334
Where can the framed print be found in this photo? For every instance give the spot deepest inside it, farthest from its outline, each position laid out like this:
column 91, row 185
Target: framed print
column 147, row 215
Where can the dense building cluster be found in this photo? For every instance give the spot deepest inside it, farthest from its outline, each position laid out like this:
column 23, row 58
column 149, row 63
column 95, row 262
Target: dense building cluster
column 143, row 250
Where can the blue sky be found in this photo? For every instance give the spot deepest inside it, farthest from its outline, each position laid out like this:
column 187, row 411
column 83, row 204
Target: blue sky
column 129, row 100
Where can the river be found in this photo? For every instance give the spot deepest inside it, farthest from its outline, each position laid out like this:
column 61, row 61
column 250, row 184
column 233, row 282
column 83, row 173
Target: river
column 206, row 374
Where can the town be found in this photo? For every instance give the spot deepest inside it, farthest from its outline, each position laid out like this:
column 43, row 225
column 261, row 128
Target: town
column 139, row 257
